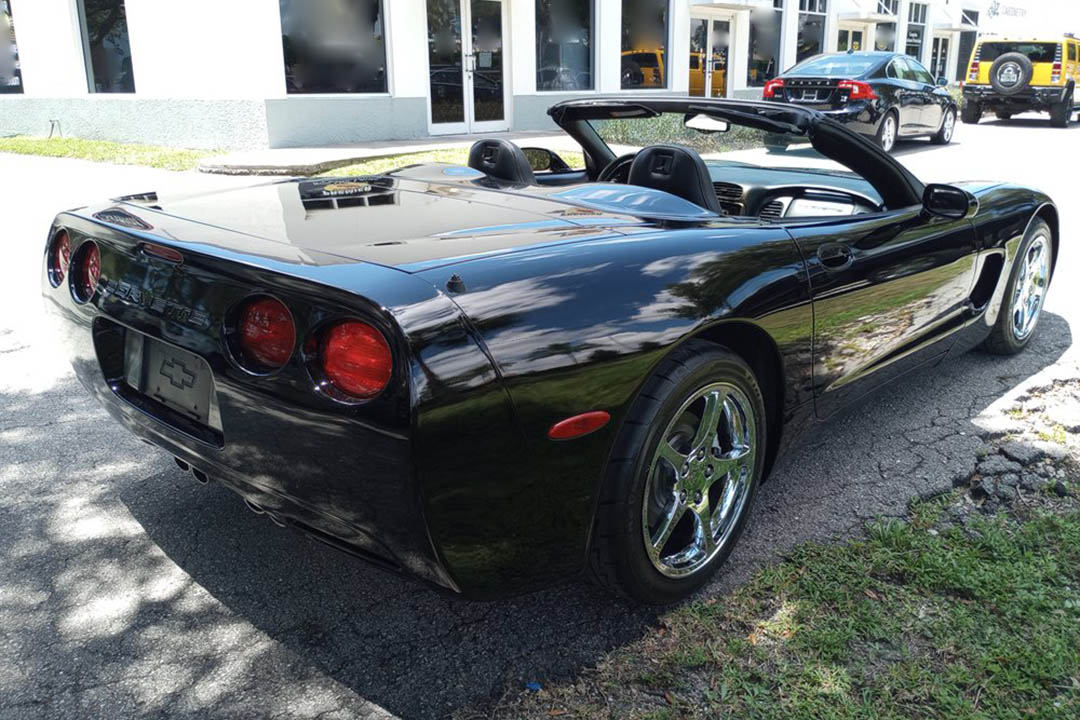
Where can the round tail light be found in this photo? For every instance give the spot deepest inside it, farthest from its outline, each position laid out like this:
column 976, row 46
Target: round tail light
column 356, row 359
column 267, row 334
column 87, row 271
column 59, row 257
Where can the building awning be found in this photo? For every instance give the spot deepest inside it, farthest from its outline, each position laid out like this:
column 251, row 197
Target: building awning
column 955, row 27
column 728, row 4
column 867, row 18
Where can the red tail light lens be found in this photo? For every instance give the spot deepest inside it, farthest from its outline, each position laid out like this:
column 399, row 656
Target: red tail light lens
column 857, row 90
column 772, row 87
column 59, row 257
column 356, row 359
column 87, row 272
column 267, row 334
column 1055, row 73
column 973, row 72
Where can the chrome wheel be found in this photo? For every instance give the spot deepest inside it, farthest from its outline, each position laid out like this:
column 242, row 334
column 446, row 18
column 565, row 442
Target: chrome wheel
column 948, row 126
column 888, row 133
column 1030, row 287
column 699, row 479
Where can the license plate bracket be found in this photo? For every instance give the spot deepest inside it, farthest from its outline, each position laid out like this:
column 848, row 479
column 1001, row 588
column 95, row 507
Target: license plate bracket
column 176, row 378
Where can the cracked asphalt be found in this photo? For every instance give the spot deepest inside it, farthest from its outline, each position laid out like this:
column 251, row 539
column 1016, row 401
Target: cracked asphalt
column 128, row 590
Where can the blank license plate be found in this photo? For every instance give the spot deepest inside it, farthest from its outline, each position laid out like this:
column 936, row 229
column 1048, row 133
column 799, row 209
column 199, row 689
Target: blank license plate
column 174, row 377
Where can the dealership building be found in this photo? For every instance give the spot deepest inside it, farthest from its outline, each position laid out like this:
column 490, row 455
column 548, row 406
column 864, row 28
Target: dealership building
column 287, row 73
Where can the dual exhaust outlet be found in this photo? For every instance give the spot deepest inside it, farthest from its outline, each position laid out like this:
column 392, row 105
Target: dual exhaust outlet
column 203, row 479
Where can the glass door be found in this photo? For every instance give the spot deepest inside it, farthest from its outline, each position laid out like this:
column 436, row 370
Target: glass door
column 849, row 40
column 939, row 57
column 466, row 69
column 709, row 40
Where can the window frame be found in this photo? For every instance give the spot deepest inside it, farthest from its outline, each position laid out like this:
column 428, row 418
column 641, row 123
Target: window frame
column 593, row 53
column 778, row 10
column 669, row 43
column 388, row 49
column 21, row 87
column 821, row 11
column 88, row 62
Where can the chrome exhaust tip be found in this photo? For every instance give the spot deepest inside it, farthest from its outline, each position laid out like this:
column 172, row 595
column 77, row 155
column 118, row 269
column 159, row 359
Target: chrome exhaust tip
column 254, row 508
column 181, row 464
column 200, row 476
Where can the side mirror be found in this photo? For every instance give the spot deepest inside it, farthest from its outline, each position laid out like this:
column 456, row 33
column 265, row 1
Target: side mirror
column 542, row 160
column 943, row 81
column 948, row 202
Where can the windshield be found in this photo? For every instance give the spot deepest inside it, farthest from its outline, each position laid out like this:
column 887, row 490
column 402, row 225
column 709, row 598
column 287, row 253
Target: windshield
column 1035, row 52
column 739, row 145
column 851, row 66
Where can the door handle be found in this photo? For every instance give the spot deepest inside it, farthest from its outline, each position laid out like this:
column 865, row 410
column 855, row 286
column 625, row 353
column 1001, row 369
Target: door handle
column 835, row 256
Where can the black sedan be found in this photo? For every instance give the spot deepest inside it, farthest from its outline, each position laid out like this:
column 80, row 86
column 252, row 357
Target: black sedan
column 885, row 96
column 495, row 376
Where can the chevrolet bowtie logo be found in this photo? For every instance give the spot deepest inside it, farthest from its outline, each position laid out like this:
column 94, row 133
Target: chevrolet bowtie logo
column 177, row 374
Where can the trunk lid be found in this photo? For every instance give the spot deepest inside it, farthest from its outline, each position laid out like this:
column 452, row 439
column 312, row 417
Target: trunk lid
column 819, row 93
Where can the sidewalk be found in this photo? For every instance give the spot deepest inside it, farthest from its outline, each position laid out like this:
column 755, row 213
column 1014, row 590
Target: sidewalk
column 312, row 160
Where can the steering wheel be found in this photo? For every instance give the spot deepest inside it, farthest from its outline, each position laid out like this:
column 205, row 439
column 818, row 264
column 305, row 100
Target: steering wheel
column 618, row 170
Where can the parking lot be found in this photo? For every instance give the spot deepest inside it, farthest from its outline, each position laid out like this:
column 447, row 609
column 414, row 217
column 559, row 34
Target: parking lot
column 127, row 589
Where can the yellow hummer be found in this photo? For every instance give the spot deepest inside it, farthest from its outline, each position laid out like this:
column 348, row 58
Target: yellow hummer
column 1008, row 76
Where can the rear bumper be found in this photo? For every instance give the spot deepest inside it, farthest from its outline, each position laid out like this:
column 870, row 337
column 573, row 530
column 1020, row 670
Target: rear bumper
column 1033, row 98
column 346, row 478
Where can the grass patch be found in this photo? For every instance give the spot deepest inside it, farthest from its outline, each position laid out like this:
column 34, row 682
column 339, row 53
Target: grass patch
column 165, row 158
column 454, row 156
column 981, row 621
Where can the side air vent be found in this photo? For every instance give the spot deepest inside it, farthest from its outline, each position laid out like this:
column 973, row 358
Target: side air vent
column 772, row 210
column 730, row 197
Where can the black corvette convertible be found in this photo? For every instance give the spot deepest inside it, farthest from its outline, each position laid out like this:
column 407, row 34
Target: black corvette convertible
column 494, row 377
column 883, row 95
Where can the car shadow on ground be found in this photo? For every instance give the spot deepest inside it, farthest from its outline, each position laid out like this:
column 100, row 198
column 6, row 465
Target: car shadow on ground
column 420, row 653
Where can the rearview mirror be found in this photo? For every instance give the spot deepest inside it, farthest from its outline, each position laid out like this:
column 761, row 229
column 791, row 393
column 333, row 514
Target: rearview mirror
column 707, row 124
column 542, row 159
column 947, row 201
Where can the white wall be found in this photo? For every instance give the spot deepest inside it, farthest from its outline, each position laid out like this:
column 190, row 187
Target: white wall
column 206, row 48
column 407, row 26
column 50, row 48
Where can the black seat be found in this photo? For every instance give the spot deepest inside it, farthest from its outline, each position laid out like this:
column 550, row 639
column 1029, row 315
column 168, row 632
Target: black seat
column 677, row 170
column 502, row 160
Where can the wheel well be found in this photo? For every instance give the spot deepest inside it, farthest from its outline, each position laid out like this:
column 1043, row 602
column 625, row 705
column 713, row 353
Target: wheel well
column 758, row 349
column 1050, row 215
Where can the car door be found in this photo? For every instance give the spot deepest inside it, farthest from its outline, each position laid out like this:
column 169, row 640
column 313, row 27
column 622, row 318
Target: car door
column 930, row 96
column 908, row 105
column 889, row 291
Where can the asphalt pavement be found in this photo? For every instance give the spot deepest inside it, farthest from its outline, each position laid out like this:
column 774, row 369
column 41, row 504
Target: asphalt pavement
column 128, row 590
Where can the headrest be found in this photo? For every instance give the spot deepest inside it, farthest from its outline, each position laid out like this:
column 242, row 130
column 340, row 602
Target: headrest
column 502, row 160
column 677, row 170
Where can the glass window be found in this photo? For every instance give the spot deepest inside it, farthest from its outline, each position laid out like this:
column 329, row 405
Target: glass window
column 105, row 42
column 921, row 73
column 851, row 66
column 564, row 44
column 885, row 37
column 644, row 43
column 764, row 49
column 1072, row 51
column 811, row 29
column 888, row 7
column 916, row 32
column 334, row 46
column 1036, row 52
column 10, row 74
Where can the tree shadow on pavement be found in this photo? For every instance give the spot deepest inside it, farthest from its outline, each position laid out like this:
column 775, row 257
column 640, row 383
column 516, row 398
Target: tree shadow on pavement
column 420, row 653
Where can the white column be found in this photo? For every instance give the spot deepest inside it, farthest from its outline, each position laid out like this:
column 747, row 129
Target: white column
column 679, row 47
column 932, row 15
column 609, row 45
column 832, row 27
column 901, row 26
column 739, row 54
column 522, row 55
column 50, row 48
column 789, row 35
column 407, row 50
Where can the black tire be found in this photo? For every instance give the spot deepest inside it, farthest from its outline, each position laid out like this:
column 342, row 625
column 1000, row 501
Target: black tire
column 1011, row 73
column 1061, row 112
column 971, row 113
column 880, row 136
column 1003, row 339
column 619, row 560
column 944, row 135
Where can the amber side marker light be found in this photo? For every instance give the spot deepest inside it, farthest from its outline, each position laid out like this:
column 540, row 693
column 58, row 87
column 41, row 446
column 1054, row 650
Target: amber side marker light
column 578, row 425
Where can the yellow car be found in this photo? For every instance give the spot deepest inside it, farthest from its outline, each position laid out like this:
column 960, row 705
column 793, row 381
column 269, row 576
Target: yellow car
column 1008, row 76
column 698, row 69
column 642, row 69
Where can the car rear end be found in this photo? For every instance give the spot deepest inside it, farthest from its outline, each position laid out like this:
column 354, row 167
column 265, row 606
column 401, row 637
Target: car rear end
column 839, row 86
column 996, row 83
column 237, row 356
